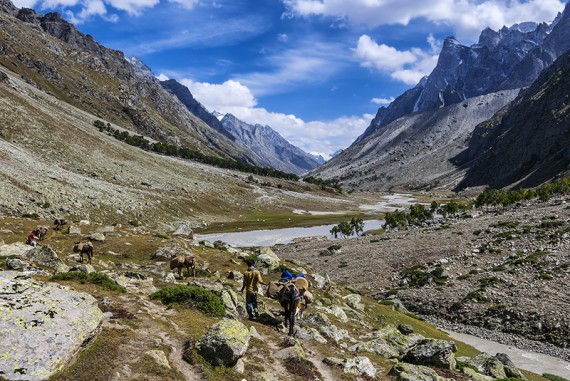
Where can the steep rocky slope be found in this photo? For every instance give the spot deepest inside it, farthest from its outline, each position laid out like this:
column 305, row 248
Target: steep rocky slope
column 54, row 162
column 528, row 144
column 510, row 58
column 414, row 151
column 269, row 148
column 54, row 56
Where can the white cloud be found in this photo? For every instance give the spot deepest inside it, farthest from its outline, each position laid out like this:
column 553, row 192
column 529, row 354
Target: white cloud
column 188, row 4
column 235, row 98
column 282, row 37
column 310, row 63
column 220, row 97
column 407, row 66
column 24, row 3
column 467, row 17
column 382, row 101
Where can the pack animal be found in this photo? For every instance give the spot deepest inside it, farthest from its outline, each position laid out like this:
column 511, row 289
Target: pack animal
column 58, row 223
column 181, row 261
column 289, row 300
column 83, row 248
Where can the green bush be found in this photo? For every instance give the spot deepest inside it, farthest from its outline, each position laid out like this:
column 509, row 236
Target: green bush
column 553, row 377
column 92, row 278
column 193, row 296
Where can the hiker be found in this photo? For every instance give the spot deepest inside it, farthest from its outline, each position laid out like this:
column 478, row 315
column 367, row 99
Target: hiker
column 32, row 239
column 251, row 278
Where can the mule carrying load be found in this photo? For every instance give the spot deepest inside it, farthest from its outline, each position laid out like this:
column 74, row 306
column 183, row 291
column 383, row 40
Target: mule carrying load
column 293, row 295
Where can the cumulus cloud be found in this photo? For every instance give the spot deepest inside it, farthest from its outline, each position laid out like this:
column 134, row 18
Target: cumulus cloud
column 467, row 17
column 382, row 101
column 407, row 66
column 232, row 97
column 282, row 37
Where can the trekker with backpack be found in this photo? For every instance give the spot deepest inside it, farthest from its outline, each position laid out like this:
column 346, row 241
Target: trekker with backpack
column 251, row 279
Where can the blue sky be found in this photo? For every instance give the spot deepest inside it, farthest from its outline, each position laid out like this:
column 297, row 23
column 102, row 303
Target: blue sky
column 314, row 70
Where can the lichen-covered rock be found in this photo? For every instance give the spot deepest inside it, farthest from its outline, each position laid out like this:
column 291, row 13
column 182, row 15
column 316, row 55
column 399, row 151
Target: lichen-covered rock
column 87, row 269
column 169, row 278
column 43, row 326
column 159, row 358
column 266, row 263
column 14, row 250
column 235, row 275
column 319, row 281
column 354, row 301
column 184, row 230
column 434, row 352
column 488, row 365
column 339, row 313
column 45, row 256
column 267, row 251
column 358, row 366
column 225, row 343
column 74, row 230
column 409, row 372
column 474, row 375
column 292, row 352
column 309, row 333
column 388, row 342
column 510, row 368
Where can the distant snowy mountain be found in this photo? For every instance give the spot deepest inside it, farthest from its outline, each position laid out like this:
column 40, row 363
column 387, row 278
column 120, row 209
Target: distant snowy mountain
column 270, row 148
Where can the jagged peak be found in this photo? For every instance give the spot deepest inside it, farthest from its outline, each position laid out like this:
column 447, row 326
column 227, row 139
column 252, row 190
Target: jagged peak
column 450, row 41
column 7, row 6
column 140, row 66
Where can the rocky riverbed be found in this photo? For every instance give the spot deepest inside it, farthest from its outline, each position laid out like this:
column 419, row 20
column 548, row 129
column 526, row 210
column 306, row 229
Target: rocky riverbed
column 503, row 270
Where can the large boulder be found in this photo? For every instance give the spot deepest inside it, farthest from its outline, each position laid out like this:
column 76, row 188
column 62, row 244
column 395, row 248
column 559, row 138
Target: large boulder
column 510, row 368
column 488, row 365
column 224, row 343
column 14, row 250
column 45, row 256
column 358, row 366
column 439, row 353
column 388, row 342
column 410, row 372
column 43, row 326
column 266, row 263
column 184, row 230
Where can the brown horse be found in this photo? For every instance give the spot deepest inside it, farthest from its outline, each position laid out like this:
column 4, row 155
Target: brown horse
column 83, row 248
column 289, row 300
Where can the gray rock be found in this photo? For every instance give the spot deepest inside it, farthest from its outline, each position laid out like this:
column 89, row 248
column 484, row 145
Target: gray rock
column 434, row 352
column 292, row 352
column 169, row 278
column 206, row 243
column 358, row 366
column 266, row 263
column 159, row 358
column 388, row 342
column 74, row 230
column 319, row 281
column 184, row 230
column 474, row 375
column 409, row 372
column 43, row 326
column 14, row 250
column 309, row 333
column 99, row 237
column 488, row 365
column 16, row 264
column 510, row 368
column 87, row 269
column 45, row 256
column 269, row 252
column 235, row 275
column 224, row 343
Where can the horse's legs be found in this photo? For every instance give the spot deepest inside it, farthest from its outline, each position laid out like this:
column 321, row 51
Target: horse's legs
column 291, row 316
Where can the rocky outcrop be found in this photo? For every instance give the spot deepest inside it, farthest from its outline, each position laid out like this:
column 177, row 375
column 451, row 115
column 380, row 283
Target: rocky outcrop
column 43, row 326
column 409, row 372
column 358, row 365
column 439, row 353
column 225, row 343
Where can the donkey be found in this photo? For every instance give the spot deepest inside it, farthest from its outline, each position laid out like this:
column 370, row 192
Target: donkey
column 83, row 248
column 181, row 261
column 289, row 300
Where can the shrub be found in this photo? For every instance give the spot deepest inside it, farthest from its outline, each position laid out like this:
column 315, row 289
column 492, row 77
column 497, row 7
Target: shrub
column 553, row 377
column 193, row 296
column 92, row 278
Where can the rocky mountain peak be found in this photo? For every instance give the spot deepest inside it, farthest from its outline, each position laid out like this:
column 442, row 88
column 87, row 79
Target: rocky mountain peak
column 140, row 67
column 7, row 6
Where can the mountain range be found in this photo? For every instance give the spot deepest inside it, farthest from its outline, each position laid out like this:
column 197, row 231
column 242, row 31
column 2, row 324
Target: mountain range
column 425, row 139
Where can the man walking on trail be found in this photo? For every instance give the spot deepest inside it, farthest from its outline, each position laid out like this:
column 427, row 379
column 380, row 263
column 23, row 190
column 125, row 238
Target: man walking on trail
column 251, row 278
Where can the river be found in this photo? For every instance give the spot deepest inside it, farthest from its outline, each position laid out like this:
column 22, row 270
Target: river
column 272, row 237
column 531, row 361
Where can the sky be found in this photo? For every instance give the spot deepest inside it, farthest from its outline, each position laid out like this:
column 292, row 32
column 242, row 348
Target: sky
column 316, row 71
